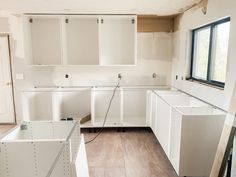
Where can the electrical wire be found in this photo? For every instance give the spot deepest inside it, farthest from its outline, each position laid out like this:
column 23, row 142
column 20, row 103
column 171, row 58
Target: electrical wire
column 107, row 112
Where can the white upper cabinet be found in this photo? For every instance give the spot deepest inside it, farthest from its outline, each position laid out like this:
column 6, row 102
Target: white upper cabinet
column 44, row 40
column 82, row 40
column 118, row 40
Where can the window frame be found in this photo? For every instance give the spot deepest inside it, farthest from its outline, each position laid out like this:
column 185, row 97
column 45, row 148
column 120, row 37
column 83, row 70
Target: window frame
column 210, row 58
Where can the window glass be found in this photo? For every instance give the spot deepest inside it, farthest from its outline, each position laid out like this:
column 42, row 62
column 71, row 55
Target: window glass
column 220, row 51
column 210, row 52
column 201, row 52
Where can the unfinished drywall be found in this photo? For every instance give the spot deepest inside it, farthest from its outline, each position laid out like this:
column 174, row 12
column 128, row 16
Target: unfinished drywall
column 160, row 7
column 141, row 74
column 191, row 19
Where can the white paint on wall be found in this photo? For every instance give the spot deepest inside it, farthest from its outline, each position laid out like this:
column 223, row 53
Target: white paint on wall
column 141, row 74
column 216, row 10
column 160, row 7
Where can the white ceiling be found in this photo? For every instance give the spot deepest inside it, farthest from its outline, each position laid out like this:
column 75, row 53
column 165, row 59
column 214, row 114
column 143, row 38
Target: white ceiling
column 158, row 7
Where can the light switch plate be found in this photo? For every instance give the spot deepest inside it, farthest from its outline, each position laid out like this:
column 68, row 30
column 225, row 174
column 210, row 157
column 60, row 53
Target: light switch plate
column 20, row 76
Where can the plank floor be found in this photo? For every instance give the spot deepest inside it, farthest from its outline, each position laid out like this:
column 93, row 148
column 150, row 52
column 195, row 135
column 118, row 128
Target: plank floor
column 134, row 153
column 4, row 128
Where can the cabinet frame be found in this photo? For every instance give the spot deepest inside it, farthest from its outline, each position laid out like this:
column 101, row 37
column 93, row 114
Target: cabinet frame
column 64, row 57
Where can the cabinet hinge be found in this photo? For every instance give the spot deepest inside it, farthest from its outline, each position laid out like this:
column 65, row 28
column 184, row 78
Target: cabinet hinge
column 133, row 21
column 31, row 20
column 97, row 20
column 67, row 20
column 102, row 20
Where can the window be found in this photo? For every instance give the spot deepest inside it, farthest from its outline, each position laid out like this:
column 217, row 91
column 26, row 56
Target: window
column 209, row 52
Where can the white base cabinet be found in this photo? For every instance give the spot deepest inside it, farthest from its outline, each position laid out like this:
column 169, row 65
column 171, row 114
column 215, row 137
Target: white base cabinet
column 100, row 100
column 42, row 104
column 194, row 141
column 134, row 107
column 187, row 129
column 128, row 108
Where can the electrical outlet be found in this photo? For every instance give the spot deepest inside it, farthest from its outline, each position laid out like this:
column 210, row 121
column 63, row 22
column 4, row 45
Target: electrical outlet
column 66, row 76
column 176, row 77
column 119, row 76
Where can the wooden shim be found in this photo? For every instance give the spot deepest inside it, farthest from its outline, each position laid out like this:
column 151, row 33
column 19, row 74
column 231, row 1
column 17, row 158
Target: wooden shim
column 85, row 119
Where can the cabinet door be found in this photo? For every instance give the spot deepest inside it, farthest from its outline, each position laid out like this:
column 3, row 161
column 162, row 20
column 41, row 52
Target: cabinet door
column 45, row 38
column 163, row 116
column 82, row 40
column 175, row 139
column 118, row 40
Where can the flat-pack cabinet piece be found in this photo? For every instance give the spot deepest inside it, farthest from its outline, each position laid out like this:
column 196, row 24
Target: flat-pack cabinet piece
column 75, row 104
column 101, row 99
column 40, row 106
column 194, row 140
column 82, row 40
column 117, row 40
column 188, row 130
column 49, row 149
column 44, row 40
column 134, row 107
column 56, row 103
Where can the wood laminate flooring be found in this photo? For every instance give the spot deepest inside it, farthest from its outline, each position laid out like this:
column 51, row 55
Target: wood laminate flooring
column 4, row 128
column 134, row 153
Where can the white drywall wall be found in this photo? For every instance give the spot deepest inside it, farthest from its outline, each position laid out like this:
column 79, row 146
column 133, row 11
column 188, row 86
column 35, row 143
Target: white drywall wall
column 84, row 75
column 193, row 18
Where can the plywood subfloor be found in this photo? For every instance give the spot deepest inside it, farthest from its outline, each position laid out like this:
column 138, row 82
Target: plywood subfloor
column 134, row 153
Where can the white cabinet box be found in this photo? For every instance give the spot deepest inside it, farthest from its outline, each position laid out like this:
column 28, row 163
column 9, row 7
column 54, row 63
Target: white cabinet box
column 40, row 105
column 129, row 107
column 187, row 129
column 195, row 134
column 134, row 107
column 100, row 101
column 118, row 40
column 43, row 37
column 45, row 149
column 56, row 103
column 80, row 39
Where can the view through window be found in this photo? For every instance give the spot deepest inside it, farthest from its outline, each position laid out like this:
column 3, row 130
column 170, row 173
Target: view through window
column 209, row 52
